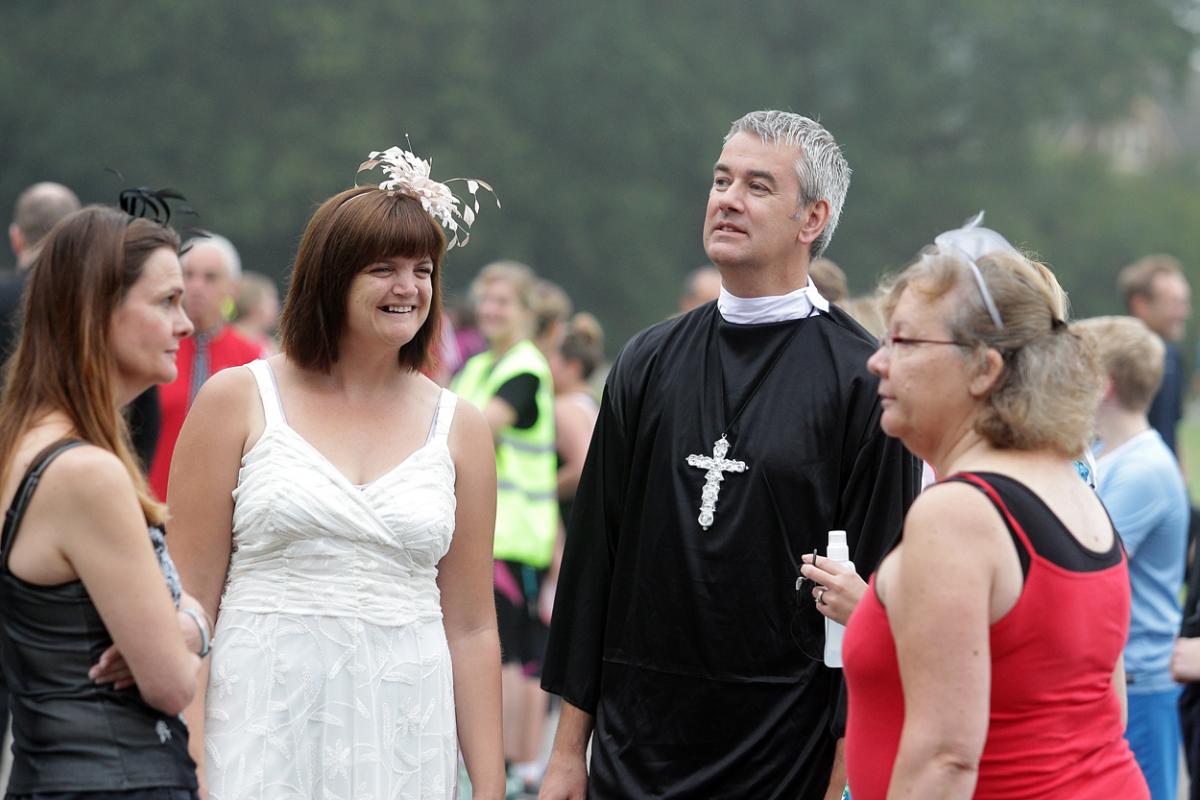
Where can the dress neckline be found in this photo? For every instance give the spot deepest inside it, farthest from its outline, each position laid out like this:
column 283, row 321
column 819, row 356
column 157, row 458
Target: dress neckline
column 430, row 438
column 361, row 487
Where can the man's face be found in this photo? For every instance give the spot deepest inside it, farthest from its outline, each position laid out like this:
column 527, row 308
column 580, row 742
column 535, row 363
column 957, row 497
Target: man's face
column 752, row 217
column 1167, row 309
column 206, row 286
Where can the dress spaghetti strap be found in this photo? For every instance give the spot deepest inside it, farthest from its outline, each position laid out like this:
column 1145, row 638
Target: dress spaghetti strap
column 268, row 392
column 443, row 416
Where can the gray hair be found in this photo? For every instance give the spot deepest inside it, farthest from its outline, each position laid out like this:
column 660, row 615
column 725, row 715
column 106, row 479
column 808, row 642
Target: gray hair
column 821, row 167
column 229, row 253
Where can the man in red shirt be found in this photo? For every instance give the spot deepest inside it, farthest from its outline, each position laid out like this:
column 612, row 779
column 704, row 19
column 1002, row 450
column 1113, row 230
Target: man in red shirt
column 211, row 267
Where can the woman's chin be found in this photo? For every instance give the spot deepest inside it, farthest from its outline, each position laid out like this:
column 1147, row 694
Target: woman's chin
column 894, row 428
column 887, row 423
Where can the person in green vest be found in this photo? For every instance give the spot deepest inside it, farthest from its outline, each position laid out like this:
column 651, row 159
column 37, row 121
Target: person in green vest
column 511, row 384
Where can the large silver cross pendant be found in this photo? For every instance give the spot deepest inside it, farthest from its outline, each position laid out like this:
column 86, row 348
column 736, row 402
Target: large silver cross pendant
column 716, row 465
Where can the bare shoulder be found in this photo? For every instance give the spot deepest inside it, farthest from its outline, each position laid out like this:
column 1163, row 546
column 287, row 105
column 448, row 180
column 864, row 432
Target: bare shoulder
column 232, row 386
column 88, row 481
column 953, row 543
column 428, row 388
column 469, row 429
column 951, row 512
column 91, row 465
column 426, row 395
column 570, row 410
column 227, row 414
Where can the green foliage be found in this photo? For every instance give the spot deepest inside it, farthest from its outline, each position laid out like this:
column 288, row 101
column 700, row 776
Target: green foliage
column 598, row 122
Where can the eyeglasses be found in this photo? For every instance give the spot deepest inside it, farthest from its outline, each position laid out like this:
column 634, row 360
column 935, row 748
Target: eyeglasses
column 892, row 342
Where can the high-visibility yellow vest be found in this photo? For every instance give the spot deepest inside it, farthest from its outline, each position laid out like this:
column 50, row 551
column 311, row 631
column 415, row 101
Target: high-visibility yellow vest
column 526, row 465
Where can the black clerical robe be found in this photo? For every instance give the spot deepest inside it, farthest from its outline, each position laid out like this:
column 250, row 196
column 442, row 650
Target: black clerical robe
column 693, row 649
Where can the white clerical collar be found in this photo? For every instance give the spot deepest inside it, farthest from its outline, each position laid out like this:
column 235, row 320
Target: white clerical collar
column 759, row 310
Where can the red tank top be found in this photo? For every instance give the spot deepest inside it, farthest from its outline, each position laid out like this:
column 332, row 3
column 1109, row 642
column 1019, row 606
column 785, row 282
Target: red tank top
column 1054, row 728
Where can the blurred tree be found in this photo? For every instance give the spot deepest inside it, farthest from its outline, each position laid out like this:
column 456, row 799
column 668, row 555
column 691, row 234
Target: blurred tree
column 598, row 123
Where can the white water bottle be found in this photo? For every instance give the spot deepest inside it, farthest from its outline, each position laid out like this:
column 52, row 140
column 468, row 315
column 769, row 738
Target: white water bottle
column 837, row 550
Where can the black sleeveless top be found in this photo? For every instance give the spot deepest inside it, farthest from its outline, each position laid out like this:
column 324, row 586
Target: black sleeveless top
column 68, row 733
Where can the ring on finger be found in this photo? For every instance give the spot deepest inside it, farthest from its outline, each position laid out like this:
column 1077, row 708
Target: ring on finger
column 821, row 595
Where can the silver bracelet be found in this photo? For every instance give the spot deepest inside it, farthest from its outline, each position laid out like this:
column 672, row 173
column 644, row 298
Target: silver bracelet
column 202, row 626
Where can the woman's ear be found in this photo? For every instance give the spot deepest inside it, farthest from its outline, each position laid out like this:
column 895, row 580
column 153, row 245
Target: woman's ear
column 985, row 380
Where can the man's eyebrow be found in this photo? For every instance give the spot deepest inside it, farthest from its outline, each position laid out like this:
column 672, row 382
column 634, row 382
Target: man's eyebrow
column 754, row 173
column 762, row 174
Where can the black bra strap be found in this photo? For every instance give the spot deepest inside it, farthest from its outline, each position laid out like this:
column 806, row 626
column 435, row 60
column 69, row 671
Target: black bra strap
column 16, row 511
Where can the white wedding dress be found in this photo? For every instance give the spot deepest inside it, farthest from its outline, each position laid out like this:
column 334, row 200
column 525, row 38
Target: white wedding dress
column 330, row 674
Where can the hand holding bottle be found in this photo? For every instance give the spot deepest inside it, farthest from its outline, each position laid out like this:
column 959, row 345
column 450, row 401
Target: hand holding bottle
column 837, row 552
column 839, row 586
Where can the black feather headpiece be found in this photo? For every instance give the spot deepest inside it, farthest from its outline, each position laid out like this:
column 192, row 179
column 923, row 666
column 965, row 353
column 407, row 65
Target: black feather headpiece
column 146, row 203
column 152, row 205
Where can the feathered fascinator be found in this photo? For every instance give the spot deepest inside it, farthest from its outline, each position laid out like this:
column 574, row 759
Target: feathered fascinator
column 409, row 175
column 152, row 204
column 973, row 241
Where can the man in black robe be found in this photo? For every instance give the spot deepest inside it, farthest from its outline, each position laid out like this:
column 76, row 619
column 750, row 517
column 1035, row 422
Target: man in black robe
column 681, row 641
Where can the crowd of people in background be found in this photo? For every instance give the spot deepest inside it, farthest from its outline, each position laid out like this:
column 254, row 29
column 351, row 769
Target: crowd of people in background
column 419, row 536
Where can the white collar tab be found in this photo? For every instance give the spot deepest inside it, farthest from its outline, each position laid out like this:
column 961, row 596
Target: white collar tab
column 760, row 310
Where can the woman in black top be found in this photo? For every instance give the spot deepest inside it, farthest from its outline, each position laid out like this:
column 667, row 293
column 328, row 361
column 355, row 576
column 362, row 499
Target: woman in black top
column 97, row 642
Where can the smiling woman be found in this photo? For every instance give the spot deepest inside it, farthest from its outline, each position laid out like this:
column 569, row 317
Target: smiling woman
column 334, row 509
column 350, row 232
column 391, row 298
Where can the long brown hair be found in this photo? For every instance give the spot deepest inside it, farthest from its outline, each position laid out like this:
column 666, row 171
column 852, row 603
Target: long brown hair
column 348, row 232
column 64, row 359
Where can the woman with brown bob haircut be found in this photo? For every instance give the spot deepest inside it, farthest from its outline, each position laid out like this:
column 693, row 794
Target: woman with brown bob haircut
column 335, row 510
column 97, row 654
column 350, row 229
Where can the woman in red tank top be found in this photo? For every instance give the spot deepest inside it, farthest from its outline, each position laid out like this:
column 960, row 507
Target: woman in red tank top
column 985, row 659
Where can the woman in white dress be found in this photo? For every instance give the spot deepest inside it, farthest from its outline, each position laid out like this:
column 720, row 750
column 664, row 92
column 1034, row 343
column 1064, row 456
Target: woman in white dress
column 334, row 511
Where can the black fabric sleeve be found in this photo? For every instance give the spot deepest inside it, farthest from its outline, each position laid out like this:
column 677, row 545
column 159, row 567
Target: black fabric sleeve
column 880, row 481
column 575, row 652
column 1191, row 607
column 520, row 392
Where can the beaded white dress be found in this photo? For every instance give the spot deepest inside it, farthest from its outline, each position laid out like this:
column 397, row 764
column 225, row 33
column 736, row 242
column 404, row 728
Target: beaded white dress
column 330, row 674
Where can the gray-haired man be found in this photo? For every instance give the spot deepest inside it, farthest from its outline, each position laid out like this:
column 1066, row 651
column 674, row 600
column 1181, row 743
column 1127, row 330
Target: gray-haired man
column 731, row 439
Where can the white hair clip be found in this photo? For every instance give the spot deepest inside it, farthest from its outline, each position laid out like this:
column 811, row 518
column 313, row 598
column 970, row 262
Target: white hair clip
column 409, row 175
column 973, row 241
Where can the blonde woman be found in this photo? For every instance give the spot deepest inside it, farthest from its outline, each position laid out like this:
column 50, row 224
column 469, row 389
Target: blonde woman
column 1009, row 568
